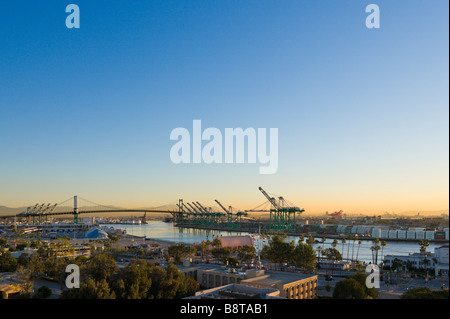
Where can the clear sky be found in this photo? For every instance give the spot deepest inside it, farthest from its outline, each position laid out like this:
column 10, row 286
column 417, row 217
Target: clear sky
column 362, row 114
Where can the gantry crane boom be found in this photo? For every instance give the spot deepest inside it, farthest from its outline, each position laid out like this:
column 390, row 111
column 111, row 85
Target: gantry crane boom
column 45, row 209
column 193, row 208
column 39, row 209
column 270, row 199
column 221, row 206
column 203, row 209
column 187, row 208
column 31, row 209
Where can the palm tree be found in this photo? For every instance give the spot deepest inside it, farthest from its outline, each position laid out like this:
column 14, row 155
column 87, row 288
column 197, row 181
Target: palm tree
column 423, row 247
column 357, row 252
column 310, row 241
column 319, row 252
column 353, row 246
column 323, row 242
column 334, row 243
column 302, row 238
column 383, row 244
column 350, row 237
column 377, row 248
column 343, row 241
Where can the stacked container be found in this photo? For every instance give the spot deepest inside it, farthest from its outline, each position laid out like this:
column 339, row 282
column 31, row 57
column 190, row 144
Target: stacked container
column 393, row 234
column 429, row 234
column 401, row 234
column 420, row 234
column 376, row 232
column 384, row 234
column 411, row 234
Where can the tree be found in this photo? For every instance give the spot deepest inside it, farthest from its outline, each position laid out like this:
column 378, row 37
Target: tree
column 310, row 241
column 425, row 293
column 302, row 238
column 221, row 253
column 133, row 281
column 375, row 248
column 304, row 257
column 343, row 241
column 7, row 262
column 43, row 293
column 349, row 237
column 168, row 283
column 423, row 246
column 319, row 250
column 216, row 242
column 246, row 253
column 348, row 288
column 179, row 251
column 357, row 252
column 90, row 289
column 100, row 266
column 333, row 255
column 278, row 251
column 361, row 278
column 203, row 248
column 383, row 244
column 354, row 287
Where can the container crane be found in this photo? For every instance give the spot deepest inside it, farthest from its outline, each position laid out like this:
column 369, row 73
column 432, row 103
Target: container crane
column 282, row 217
column 221, row 206
column 270, row 199
column 202, row 208
column 194, row 209
column 337, row 215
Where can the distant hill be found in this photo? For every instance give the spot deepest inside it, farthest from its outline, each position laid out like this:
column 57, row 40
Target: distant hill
column 11, row 211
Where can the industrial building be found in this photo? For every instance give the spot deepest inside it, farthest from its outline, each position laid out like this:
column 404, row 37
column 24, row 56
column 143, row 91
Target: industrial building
column 290, row 285
column 237, row 291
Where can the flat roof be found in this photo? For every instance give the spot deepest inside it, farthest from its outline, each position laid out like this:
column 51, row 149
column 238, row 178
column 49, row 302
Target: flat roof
column 279, row 278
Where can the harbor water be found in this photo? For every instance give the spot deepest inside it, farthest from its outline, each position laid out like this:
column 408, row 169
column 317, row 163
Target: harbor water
column 166, row 231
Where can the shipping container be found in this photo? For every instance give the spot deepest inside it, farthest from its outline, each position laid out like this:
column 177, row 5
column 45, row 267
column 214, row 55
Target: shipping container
column 411, row 234
column 446, row 235
column 393, row 234
column 429, row 234
column 401, row 234
column 376, row 232
column 440, row 235
column 420, row 234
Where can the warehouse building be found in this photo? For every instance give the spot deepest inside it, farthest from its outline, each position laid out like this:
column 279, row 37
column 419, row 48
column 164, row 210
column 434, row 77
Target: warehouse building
column 290, row 285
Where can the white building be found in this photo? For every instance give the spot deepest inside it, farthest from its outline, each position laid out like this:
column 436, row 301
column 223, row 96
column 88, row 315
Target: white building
column 441, row 268
column 437, row 261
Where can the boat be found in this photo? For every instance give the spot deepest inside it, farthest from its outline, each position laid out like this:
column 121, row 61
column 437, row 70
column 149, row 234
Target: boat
column 168, row 219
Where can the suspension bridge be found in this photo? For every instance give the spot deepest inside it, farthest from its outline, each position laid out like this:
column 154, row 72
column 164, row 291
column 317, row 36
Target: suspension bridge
column 76, row 206
column 281, row 213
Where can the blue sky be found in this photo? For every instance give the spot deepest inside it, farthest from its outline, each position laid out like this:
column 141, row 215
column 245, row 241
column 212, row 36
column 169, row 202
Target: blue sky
column 362, row 113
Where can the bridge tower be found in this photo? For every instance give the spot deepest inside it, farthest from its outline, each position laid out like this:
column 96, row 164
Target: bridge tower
column 75, row 209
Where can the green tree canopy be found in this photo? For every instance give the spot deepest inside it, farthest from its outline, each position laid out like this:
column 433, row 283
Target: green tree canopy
column 425, row 293
column 348, row 288
column 304, row 257
column 246, row 253
column 278, row 251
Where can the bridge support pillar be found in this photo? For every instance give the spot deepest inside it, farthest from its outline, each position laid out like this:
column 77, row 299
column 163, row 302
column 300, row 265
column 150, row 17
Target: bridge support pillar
column 75, row 209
